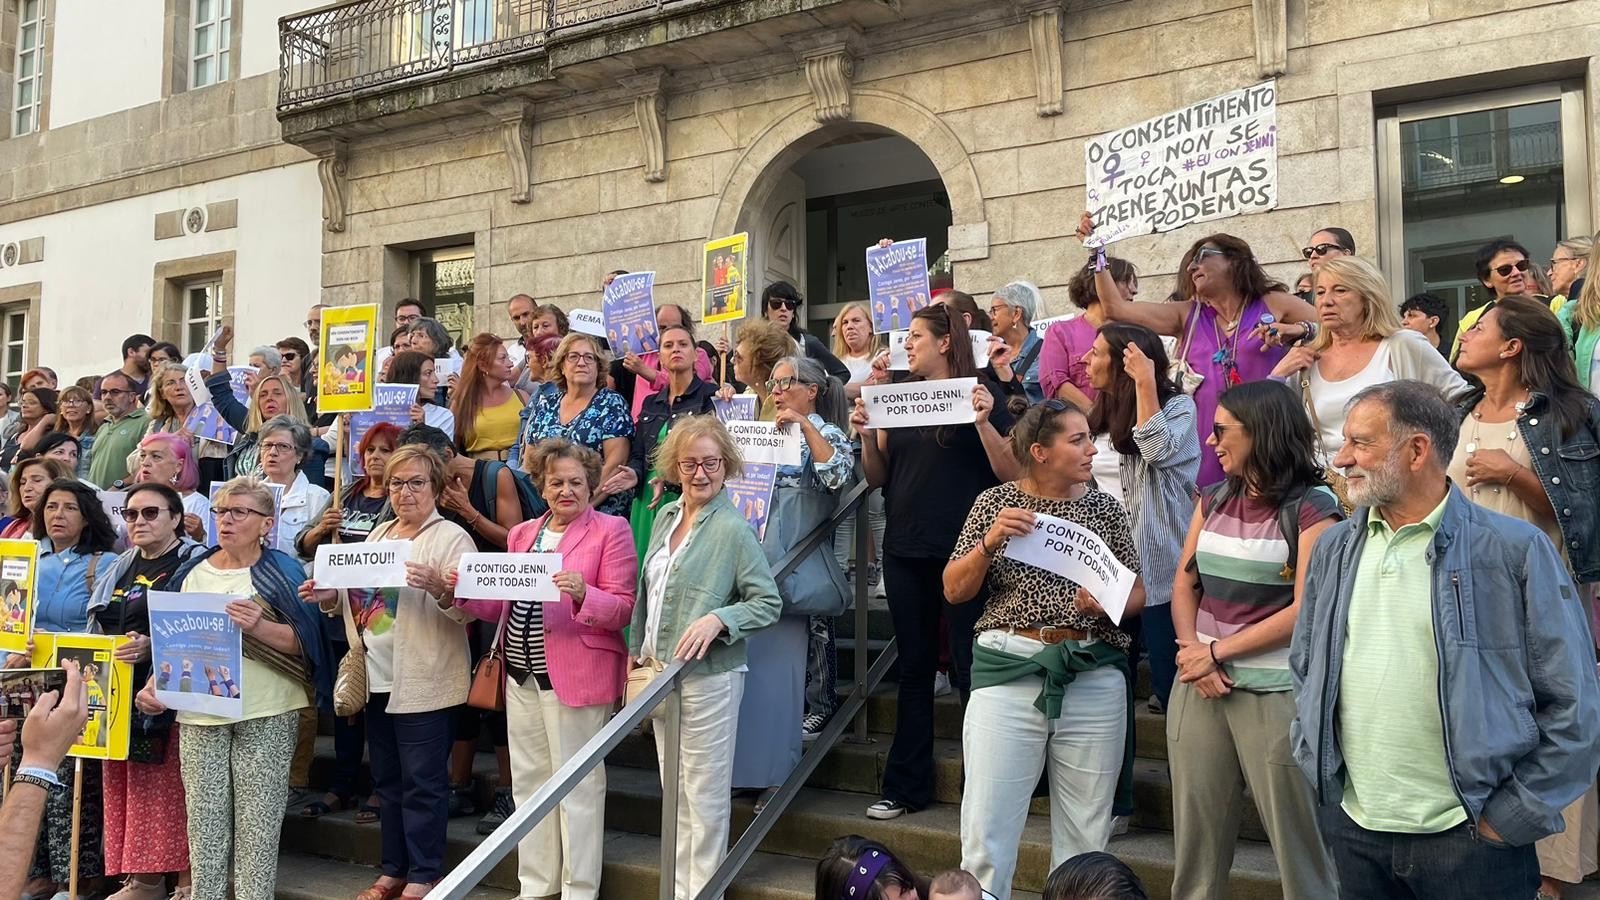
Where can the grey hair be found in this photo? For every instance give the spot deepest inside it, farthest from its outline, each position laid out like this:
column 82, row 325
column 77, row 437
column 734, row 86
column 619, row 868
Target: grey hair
column 299, row 433
column 436, row 333
column 269, row 355
column 1024, row 295
column 1413, row 407
column 831, row 405
column 1579, row 245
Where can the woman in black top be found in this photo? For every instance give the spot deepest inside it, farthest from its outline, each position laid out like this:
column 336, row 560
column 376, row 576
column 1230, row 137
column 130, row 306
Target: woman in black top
column 780, row 304
column 930, row 476
column 684, row 395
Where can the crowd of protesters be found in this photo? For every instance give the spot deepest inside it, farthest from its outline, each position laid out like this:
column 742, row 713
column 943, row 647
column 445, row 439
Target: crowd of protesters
column 1364, row 537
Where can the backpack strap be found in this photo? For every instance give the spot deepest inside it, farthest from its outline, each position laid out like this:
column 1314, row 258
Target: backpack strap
column 88, row 576
column 1289, row 524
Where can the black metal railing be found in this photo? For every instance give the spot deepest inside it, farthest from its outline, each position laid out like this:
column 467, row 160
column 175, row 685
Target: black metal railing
column 1480, row 156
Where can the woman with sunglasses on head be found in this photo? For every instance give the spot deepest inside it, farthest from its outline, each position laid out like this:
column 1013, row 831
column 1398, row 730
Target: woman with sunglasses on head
column 236, row 770
column 76, row 418
column 1527, row 451
column 1223, row 337
column 1039, row 631
column 780, row 305
column 146, row 825
column 1234, row 606
column 1150, row 424
column 930, row 476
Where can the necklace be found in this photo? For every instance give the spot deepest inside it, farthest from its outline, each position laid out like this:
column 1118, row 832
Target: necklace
column 1227, row 355
column 1511, row 438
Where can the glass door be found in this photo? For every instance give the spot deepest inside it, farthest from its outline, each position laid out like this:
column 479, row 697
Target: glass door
column 1457, row 173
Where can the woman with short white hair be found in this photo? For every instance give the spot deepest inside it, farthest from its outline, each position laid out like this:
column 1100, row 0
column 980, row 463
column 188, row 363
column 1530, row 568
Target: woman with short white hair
column 1012, row 309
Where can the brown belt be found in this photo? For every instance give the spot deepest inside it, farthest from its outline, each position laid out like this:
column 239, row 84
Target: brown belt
column 1052, row 634
column 502, row 455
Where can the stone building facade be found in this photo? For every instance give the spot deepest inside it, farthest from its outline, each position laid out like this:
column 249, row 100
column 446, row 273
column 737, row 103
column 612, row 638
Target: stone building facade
column 468, row 150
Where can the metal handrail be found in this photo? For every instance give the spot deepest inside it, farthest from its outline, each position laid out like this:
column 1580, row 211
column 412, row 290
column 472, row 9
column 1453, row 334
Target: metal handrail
column 664, row 689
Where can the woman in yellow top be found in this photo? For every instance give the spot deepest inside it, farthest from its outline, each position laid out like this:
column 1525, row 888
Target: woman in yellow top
column 487, row 408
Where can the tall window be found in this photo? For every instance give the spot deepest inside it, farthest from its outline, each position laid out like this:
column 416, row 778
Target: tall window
column 212, row 21
column 202, row 313
column 29, row 95
column 14, row 343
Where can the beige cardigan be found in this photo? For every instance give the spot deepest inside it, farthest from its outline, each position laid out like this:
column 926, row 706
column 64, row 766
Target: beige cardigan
column 432, row 666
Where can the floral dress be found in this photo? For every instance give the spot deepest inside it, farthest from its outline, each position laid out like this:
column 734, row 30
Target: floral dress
column 606, row 417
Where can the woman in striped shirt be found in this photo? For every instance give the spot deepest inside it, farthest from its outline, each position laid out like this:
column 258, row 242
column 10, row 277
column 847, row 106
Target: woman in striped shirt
column 1233, row 607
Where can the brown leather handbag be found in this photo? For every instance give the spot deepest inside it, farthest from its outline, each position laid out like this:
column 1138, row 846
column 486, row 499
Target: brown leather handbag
column 488, row 689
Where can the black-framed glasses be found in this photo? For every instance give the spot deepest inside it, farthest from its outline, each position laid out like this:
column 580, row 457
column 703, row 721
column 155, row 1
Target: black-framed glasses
column 712, row 466
column 589, row 358
column 1505, row 271
column 1218, row 430
column 290, row 355
column 782, row 303
column 410, row 486
column 147, row 513
column 781, row 384
column 1320, row 250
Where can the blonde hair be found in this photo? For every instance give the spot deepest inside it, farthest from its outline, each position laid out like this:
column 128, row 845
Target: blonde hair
column 160, row 409
column 558, row 359
column 296, row 406
column 1379, row 318
column 875, row 342
column 249, row 488
column 1587, row 312
column 690, row 429
column 768, row 343
column 407, row 453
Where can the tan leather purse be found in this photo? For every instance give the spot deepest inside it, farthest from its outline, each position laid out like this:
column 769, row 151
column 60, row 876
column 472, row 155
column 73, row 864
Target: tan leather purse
column 350, row 684
column 488, row 690
column 639, row 678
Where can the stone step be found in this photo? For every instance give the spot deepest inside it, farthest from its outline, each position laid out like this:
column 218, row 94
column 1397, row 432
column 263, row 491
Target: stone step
column 303, row 876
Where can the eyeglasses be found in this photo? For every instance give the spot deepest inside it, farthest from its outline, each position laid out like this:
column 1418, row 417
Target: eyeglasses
column 1505, row 271
column 712, row 466
column 79, row 401
column 1320, row 250
column 406, row 319
column 276, row 447
column 783, row 303
column 107, row 392
column 313, row 324
column 237, row 513
column 410, row 486
column 1218, row 429
column 147, row 513
column 1205, row 253
column 588, row 358
column 1561, row 259
column 781, row 384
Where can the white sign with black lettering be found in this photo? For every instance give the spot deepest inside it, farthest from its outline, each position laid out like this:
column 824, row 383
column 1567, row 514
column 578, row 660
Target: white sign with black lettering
column 947, row 401
column 897, row 349
column 508, row 576
column 587, row 321
column 380, row 564
column 1078, row 555
column 764, row 442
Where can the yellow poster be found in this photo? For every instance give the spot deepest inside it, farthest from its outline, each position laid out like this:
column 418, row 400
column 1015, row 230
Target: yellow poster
column 18, row 560
column 346, row 372
column 109, row 684
column 724, row 267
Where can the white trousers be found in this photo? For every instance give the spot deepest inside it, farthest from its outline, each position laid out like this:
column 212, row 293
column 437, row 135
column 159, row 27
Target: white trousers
column 1006, row 743
column 709, row 724
column 562, row 855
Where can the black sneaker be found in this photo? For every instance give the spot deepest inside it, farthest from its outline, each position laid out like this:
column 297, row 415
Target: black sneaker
column 461, row 801
column 502, row 809
column 887, row 809
column 811, row 726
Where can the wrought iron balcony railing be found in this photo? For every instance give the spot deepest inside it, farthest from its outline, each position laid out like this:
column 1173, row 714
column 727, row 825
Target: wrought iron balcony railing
column 339, row 50
column 1480, row 156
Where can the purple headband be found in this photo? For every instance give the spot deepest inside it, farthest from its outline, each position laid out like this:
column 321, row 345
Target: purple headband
column 865, row 873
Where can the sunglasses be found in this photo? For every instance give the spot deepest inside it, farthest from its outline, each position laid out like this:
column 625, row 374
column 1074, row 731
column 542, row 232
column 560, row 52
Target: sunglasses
column 781, row 303
column 1205, row 253
column 291, row 355
column 1505, row 271
column 147, row 513
column 1320, row 250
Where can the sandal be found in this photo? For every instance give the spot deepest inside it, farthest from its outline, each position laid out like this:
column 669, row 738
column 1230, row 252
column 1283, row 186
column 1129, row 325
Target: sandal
column 318, row 808
column 367, row 813
column 379, row 892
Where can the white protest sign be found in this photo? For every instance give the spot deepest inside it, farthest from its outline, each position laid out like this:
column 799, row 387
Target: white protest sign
column 1209, row 160
column 508, row 576
column 897, row 349
column 764, row 442
column 914, row 403
column 113, row 502
column 1042, row 325
column 1078, row 555
column 378, row 564
column 195, row 381
column 587, row 321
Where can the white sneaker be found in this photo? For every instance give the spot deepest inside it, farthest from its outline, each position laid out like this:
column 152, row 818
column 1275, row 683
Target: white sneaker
column 1119, row 825
column 887, row 809
column 941, row 684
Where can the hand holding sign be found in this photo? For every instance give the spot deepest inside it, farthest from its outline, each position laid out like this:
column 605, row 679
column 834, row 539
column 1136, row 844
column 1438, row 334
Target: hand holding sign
column 516, row 576
column 946, row 401
column 376, row 564
column 1080, row 556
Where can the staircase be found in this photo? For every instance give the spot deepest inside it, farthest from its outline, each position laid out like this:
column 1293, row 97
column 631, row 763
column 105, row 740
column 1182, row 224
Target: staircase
column 315, row 853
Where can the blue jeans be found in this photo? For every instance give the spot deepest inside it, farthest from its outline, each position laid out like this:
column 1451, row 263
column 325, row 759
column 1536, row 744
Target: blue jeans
column 410, row 755
column 1161, row 642
column 1456, row 864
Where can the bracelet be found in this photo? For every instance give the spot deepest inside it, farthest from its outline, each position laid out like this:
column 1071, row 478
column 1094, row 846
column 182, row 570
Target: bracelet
column 37, row 774
column 1098, row 259
column 1213, row 648
column 983, row 547
column 1310, row 333
column 1512, row 476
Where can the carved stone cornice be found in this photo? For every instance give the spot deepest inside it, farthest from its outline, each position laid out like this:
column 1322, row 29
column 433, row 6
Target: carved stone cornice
column 1272, row 37
column 1045, row 39
column 829, row 58
column 332, row 165
column 650, row 109
column 516, row 134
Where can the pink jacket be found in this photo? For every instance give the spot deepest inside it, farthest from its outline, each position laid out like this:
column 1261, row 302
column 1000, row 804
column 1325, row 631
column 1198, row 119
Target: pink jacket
column 584, row 648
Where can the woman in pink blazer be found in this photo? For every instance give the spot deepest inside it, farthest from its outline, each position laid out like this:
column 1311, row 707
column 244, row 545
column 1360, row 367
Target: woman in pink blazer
column 565, row 664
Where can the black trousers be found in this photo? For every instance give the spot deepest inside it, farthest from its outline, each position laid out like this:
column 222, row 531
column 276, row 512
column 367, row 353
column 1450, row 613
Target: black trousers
column 915, row 587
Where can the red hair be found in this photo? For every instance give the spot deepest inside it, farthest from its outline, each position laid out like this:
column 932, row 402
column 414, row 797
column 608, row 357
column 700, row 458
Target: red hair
column 383, row 431
column 467, row 401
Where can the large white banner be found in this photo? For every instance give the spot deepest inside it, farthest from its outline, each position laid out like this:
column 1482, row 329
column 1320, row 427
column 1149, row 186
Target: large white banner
column 914, row 403
column 1210, row 160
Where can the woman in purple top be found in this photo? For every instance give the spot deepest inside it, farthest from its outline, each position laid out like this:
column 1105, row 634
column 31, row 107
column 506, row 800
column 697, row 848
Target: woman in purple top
column 1222, row 338
column 1062, row 372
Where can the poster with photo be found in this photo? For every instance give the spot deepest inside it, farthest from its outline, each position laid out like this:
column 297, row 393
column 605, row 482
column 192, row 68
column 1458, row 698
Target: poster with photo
column 205, row 422
column 18, row 565
column 21, row 688
column 739, row 407
column 724, row 265
column 630, row 313
column 346, row 375
column 277, row 511
column 108, row 683
column 897, row 283
column 390, row 403
column 751, row 494
column 197, row 652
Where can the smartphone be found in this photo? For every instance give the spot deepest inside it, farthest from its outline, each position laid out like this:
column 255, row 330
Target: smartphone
column 20, row 688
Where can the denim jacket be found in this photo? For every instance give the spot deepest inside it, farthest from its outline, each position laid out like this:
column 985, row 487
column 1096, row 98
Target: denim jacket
column 1569, row 469
column 722, row 570
column 1517, row 692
